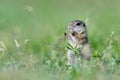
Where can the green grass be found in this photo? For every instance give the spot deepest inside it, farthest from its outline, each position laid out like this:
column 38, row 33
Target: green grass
column 42, row 24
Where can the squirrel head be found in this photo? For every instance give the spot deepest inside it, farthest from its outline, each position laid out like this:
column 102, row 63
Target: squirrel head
column 77, row 26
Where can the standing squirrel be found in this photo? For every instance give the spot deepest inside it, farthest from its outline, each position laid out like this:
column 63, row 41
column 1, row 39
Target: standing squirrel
column 77, row 38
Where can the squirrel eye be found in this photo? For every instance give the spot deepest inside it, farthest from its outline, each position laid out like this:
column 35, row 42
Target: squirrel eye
column 84, row 25
column 78, row 24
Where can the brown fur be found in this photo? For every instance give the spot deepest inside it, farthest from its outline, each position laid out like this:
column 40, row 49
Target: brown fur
column 78, row 37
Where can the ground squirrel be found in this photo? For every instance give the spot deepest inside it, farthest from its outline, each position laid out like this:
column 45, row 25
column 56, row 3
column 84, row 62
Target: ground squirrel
column 77, row 37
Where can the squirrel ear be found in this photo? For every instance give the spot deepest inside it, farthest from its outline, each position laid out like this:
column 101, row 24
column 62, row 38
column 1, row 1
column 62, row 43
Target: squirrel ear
column 65, row 33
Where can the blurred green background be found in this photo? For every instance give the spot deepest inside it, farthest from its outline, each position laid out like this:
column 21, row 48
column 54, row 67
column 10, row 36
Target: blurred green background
column 42, row 19
column 43, row 23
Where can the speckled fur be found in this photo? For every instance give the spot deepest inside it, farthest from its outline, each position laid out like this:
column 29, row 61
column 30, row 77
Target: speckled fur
column 77, row 36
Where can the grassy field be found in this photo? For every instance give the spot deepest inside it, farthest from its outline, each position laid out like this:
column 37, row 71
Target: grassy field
column 32, row 44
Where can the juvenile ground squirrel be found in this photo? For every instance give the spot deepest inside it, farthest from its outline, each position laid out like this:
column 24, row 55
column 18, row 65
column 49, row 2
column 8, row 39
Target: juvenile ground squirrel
column 77, row 37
